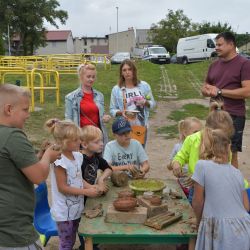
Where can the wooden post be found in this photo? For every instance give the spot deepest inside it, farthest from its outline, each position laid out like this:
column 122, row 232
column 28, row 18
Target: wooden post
column 88, row 243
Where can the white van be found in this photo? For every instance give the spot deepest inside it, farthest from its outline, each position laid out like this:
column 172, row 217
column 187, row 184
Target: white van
column 156, row 54
column 196, row 48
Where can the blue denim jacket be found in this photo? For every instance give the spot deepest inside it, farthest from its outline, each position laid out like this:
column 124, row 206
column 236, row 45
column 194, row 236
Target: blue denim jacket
column 116, row 100
column 72, row 108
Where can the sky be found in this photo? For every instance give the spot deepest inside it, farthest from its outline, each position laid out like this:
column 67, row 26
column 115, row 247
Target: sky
column 99, row 17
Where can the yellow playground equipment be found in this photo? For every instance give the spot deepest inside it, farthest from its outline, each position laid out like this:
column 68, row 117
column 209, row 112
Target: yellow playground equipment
column 45, row 68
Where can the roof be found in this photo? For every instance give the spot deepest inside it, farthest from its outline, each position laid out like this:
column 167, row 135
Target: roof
column 55, row 35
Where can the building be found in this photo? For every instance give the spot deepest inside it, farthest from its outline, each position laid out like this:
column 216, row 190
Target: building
column 245, row 48
column 97, row 45
column 57, row 42
column 126, row 41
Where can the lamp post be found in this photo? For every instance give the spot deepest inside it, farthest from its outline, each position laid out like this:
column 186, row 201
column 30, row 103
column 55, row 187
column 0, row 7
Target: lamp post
column 117, row 8
column 247, row 41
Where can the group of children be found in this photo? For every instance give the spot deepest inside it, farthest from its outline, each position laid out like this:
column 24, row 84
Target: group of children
column 215, row 188
column 74, row 175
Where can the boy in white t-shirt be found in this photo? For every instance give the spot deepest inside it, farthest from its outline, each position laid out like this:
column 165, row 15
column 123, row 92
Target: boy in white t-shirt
column 124, row 153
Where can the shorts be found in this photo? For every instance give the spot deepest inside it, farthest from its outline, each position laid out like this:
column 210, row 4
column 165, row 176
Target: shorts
column 239, row 125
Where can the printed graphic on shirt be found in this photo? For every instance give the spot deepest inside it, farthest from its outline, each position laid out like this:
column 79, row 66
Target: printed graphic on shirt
column 90, row 171
column 133, row 97
column 73, row 202
column 120, row 159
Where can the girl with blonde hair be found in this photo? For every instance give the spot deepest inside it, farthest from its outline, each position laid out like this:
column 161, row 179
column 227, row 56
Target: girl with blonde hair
column 222, row 214
column 67, row 186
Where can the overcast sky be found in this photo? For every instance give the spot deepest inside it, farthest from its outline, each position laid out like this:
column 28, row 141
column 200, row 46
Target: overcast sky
column 99, row 17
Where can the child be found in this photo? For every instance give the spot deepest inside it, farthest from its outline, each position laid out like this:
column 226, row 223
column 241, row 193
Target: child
column 192, row 148
column 221, row 213
column 92, row 146
column 20, row 169
column 67, row 187
column 186, row 127
column 124, row 153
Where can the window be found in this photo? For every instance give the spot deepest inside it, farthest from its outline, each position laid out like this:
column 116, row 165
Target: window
column 210, row 43
column 85, row 42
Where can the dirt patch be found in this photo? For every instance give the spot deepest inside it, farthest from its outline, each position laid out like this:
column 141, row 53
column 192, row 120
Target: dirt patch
column 159, row 149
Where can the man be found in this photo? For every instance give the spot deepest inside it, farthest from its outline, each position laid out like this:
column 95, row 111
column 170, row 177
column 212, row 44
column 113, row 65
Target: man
column 19, row 170
column 228, row 80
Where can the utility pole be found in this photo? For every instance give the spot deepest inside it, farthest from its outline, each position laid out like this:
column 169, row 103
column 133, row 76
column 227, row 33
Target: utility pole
column 117, row 8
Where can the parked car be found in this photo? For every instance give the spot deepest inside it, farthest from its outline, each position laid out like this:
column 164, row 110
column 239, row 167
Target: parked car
column 156, row 54
column 173, row 59
column 119, row 57
column 244, row 55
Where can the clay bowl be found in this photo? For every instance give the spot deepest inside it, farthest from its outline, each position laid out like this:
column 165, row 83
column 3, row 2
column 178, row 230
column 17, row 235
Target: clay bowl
column 155, row 200
column 125, row 194
column 125, row 204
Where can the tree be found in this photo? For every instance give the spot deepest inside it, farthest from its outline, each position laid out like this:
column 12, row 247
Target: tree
column 168, row 31
column 207, row 27
column 26, row 18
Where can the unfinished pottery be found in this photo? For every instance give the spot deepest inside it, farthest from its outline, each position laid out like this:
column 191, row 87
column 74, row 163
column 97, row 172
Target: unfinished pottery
column 125, row 194
column 125, row 204
column 155, row 200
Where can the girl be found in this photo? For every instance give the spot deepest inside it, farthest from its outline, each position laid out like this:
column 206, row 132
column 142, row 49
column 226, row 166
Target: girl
column 131, row 98
column 186, row 127
column 85, row 105
column 67, row 187
column 192, row 148
column 222, row 213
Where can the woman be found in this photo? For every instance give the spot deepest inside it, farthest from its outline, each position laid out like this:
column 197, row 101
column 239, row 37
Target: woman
column 85, row 105
column 131, row 98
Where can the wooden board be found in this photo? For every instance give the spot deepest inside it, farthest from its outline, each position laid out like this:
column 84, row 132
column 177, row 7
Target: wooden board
column 152, row 210
column 136, row 216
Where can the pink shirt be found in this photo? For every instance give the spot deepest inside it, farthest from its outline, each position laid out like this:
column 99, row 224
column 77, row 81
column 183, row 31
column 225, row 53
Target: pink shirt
column 229, row 75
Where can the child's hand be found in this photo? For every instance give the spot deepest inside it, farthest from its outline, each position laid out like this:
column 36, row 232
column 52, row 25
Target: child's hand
column 186, row 181
column 176, row 169
column 52, row 153
column 169, row 166
column 103, row 187
column 45, row 144
column 91, row 192
column 132, row 169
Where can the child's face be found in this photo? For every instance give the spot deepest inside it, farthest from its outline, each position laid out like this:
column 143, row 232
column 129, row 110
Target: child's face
column 20, row 112
column 123, row 139
column 94, row 146
column 73, row 145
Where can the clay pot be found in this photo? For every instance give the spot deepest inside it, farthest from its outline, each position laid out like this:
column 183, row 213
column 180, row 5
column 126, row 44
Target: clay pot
column 155, row 200
column 125, row 204
column 125, row 194
column 119, row 178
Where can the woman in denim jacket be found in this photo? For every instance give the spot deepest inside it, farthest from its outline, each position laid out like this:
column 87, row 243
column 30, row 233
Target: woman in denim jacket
column 85, row 105
column 131, row 98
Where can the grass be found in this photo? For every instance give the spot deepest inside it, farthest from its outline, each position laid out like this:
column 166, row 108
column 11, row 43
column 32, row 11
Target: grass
column 187, row 110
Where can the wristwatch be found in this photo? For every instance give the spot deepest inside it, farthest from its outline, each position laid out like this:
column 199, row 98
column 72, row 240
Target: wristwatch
column 219, row 92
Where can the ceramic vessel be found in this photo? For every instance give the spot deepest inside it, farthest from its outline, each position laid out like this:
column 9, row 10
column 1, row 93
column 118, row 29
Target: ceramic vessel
column 125, row 204
column 125, row 194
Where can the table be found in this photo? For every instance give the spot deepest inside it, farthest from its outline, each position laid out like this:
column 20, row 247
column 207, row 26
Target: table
column 98, row 231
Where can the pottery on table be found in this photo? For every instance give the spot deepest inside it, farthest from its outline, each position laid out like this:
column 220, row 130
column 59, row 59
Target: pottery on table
column 125, row 204
column 125, row 194
column 155, row 200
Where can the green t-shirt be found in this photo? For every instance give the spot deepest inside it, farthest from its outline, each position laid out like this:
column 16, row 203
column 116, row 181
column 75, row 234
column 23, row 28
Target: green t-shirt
column 17, row 198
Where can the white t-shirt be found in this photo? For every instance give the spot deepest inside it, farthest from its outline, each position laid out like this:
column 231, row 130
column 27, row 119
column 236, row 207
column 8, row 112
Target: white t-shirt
column 67, row 207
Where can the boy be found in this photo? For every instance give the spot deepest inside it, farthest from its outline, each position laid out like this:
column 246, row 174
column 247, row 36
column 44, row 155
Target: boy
column 124, row 153
column 19, row 170
column 92, row 146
